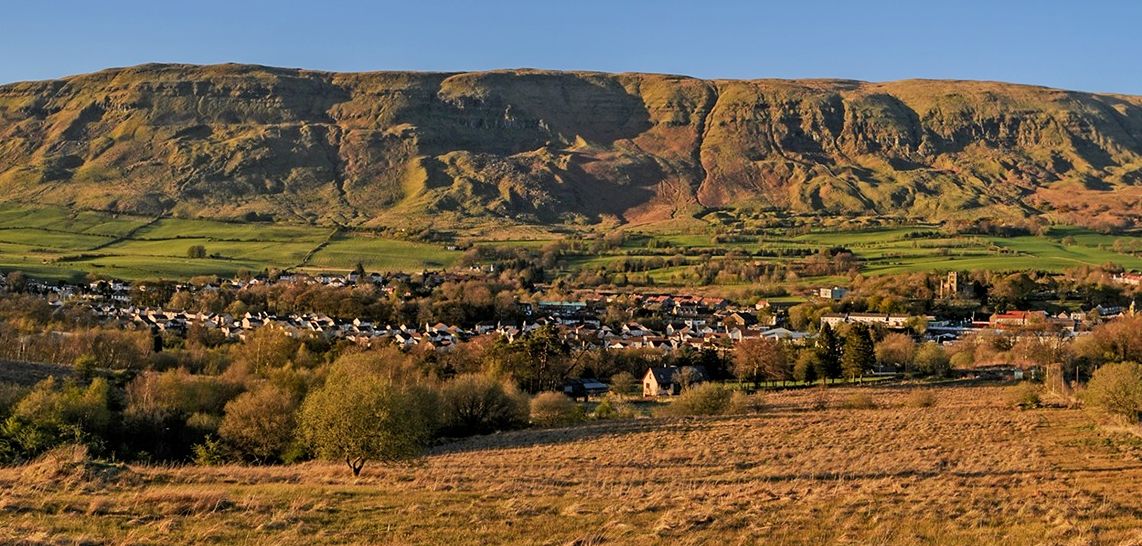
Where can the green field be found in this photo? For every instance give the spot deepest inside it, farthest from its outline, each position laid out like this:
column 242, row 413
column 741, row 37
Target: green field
column 56, row 243
column 890, row 250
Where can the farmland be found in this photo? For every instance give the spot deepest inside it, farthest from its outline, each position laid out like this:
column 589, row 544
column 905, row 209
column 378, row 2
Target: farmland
column 59, row 244
column 969, row 470
column 53, row 243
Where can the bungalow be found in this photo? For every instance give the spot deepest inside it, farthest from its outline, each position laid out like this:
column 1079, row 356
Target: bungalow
column 667, row 380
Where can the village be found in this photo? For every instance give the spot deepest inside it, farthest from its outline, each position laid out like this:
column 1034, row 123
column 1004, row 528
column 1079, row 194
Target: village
column 665, row 322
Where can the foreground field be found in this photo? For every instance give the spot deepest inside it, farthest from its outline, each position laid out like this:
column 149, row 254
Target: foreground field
column 968, row 470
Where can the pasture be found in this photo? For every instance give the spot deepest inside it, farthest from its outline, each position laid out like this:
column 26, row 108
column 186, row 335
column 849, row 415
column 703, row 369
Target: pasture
column 969, row 470
column 55, row 243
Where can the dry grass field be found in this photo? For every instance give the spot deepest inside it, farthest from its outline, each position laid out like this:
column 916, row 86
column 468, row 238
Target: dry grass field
column 969, row 469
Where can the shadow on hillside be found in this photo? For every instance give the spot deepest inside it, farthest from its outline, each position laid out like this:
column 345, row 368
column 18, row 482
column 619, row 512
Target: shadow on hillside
column 29, row 373
column 922, row 474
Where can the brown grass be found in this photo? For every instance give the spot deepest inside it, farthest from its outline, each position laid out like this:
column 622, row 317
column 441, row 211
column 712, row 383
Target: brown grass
column 971, row 470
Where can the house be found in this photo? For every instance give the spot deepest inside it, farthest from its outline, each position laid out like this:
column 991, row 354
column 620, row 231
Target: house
column 1017, row 318
column 834, row 293
column 1132, row 279
column 887, row 320
column 784, row 333
column 664, row 380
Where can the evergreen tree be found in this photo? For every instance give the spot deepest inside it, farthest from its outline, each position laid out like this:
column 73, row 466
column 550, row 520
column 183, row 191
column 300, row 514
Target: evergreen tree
column 860, row 352
column 805, row 369
column 829, row 354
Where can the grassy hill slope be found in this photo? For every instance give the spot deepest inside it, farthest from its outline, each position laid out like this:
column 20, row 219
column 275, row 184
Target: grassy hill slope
column 528, row 146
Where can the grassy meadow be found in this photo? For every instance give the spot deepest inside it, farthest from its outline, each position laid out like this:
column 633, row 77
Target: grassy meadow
column 970, row 469
column 58, row 244
column 53, row 243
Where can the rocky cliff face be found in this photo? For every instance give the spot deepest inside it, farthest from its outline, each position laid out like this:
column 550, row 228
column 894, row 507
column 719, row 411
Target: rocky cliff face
column 538, row 146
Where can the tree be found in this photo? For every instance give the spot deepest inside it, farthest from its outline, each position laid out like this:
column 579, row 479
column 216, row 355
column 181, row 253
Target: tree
column 686, row 377
column 1117, row 388
column 931, row 359
column 260, row 424
column 17, row 281
column 196, row 251
column 536, row 362
column 896, row 350
column 859, row 353
column 1119, row 340
column 363, row 414
column 829, row 354
column 762, row 358
column 805, row 369
column 623, row 383
column 266, row 348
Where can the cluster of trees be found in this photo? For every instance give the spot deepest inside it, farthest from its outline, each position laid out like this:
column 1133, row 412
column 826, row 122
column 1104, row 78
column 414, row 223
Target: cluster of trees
column 373, row 405
column 852, row 353
column 1119, row 340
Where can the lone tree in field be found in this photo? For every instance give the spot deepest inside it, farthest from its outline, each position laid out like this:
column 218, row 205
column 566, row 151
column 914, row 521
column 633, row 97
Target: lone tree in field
column 860, row 353
column 196, row 251
column 363, row 414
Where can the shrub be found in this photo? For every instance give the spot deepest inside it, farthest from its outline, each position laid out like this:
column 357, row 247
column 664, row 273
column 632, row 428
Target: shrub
column 476, row 404
column 51, row 415
column 1117, row 389
column 211, row 452
column 613, row 407
column 1025, row 396
column 922, row 398
column 701, row 399
column 259, row 424
column 554, row 408
column 858, row 401
column 742, row 403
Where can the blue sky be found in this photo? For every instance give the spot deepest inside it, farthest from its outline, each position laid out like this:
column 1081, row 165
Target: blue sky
column 1091, row 45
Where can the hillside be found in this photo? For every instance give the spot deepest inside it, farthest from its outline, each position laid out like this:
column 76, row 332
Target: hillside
column 232, row 141
column 970, row 470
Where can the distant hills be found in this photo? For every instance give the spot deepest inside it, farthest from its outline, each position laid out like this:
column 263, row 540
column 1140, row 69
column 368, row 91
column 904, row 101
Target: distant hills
column 233, row 141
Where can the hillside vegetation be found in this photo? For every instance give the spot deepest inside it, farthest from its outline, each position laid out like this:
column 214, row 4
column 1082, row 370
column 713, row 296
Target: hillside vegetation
column 529, row 146
column 966, row 469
